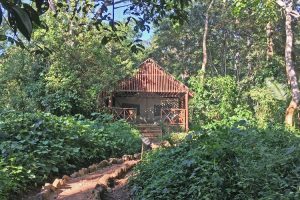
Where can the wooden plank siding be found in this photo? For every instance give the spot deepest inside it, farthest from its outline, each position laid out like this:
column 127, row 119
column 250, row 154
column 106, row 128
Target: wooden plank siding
column 153, row 79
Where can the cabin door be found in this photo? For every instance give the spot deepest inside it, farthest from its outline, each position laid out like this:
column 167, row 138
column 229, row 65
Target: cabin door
column 147, row 115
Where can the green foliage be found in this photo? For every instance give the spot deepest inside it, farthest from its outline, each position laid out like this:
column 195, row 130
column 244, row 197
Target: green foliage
column 21, row 87
column 264, row 11
column 63, row 79
column 241, row 162
column 236, row 45
column 37, row 147
column 223, row 101
column 174, row 137
column 216, row 100
column 269, row 102
column 21, row 17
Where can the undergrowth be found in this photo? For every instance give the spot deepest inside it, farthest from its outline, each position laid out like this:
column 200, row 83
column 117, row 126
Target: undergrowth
column 242, row 162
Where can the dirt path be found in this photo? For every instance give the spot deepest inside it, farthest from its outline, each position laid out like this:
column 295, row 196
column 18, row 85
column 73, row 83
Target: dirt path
column 120, row 190
column 81, row 188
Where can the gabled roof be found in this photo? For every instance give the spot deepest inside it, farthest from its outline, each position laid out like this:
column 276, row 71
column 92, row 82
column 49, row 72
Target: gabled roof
column 152, row 78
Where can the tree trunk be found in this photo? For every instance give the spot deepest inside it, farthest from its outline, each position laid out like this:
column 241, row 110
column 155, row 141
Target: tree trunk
column 224, row 52
column 249, row 57
column 270, row 44
column 204, row 40
column 237, row 65
column 289, row 114
column 290, row 69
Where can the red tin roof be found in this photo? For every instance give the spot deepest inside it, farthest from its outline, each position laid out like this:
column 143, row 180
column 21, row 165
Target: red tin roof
column 152, row 78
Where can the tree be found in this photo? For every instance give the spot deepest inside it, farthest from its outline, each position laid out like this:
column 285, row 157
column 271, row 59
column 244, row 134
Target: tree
column 24, row 15
column 288, row 6
column 67, row 76
column 21, row 16
column 180, row 47
column 204, row 41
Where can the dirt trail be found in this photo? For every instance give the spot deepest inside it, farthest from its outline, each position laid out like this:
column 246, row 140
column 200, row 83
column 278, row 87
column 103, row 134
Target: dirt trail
column 81, row 188
column 120, row 190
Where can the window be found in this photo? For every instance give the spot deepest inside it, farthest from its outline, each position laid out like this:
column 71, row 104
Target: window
column 165, row 104
column 157, row 109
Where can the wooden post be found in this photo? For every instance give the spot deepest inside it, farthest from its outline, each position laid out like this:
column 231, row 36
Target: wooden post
column 110, row 101
column 186, row 101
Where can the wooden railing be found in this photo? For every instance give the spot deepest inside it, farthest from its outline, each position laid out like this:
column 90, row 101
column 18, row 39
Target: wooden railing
column 173, row 116
column 128, row 114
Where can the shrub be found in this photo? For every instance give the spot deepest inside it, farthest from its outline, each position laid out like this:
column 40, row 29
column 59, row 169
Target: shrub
column 36, row 147
column 268, row 102
column 237, row 163
column 215, row 100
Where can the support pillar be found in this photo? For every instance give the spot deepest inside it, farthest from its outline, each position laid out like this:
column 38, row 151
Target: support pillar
column 110, row 100
column 186, row 102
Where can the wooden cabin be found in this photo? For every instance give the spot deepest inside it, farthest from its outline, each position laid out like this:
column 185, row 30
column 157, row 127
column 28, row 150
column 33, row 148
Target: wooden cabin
column 151, row 96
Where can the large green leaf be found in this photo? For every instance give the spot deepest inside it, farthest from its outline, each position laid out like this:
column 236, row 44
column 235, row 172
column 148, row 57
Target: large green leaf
column 3, row 37
column 278, row 90
column 24, row 24
column 33, row 14
column 1, row 16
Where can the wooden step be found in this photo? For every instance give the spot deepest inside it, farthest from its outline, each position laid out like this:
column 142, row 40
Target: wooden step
column 151, row 131
column 148, row 127
column 152, row 135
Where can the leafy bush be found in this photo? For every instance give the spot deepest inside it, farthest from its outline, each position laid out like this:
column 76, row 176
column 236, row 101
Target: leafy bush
column 216, row 100
column 36, row 147
column 221, row 99
column 235, row 163
column 269, row 102
column 174, row 138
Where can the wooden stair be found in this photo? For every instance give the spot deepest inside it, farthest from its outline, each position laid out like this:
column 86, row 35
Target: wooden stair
column 151, row 131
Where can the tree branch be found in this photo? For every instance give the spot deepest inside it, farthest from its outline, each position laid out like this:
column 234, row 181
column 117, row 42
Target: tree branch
column 283, row 4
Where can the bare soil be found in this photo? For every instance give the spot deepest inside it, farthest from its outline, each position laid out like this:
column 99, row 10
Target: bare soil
column 81, row 188
column 120, row 191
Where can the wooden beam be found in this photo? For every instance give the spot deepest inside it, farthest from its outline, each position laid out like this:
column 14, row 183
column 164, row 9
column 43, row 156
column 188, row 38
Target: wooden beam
column 110, row 100
column 186, row 112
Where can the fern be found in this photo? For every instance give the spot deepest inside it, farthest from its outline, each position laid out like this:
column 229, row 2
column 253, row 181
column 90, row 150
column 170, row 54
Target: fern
column 277, row 90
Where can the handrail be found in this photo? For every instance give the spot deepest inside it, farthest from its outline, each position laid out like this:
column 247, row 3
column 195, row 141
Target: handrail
column 128, row 114
column 173, row 116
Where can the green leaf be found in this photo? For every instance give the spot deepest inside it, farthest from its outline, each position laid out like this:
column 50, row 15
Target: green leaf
column 42, row 6
column 3, row 37
column 24, row 24
column 54, row 169
column 0, row 16
column 290, row 150
column 33, row 14
column 105, row 40
column 45, row 142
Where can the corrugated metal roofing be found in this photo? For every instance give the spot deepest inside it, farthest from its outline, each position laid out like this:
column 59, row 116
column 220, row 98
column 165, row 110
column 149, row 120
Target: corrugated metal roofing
column 154, row 79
